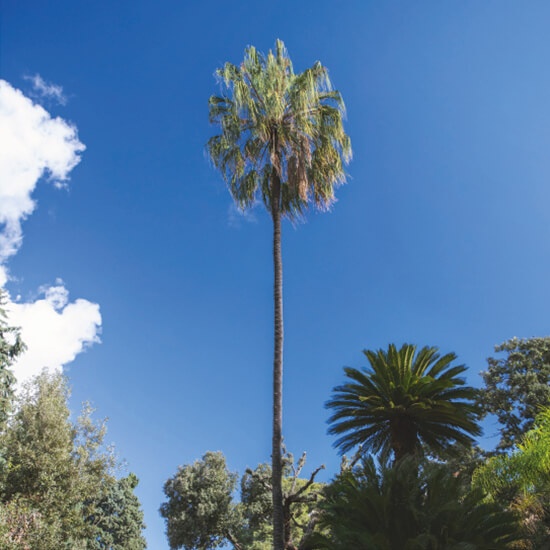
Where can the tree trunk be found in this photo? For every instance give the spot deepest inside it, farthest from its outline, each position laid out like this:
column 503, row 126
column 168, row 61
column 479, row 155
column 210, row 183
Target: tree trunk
column 276, row 458
column 404, row 438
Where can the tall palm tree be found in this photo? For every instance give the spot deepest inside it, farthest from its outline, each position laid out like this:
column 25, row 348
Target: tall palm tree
column 403, row 400
column 282, row 141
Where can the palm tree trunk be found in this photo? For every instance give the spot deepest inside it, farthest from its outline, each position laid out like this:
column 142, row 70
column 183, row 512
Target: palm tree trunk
column 276, row 458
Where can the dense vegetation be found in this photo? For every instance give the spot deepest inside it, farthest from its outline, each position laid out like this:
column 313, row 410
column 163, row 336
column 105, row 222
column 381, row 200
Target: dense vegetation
column 415, row 480
column 59, row 487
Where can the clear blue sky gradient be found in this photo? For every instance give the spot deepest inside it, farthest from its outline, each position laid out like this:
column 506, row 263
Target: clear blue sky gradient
column 441, row 236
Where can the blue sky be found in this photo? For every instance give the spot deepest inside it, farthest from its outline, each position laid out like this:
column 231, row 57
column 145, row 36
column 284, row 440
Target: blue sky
column 441, row 236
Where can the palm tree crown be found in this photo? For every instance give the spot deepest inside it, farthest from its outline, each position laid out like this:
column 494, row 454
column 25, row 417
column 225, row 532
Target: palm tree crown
column 403, row 400
column 277, row 123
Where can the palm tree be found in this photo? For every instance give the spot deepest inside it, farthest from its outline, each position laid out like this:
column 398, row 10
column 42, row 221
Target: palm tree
column 407, row 507
column 282, row 141
column 404, row 400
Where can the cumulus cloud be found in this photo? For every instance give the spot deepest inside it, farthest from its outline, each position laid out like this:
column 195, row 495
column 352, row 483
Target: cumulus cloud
column 54, row 330
column 33, row 144
column 36, row 146
column 47, row 90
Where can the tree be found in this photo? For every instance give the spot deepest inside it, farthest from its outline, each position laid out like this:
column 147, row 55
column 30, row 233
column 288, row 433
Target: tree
column 281, row 141
column 299, row 504
column 517, row 386
column 118, row 518
column 408, row 507
column 200, row 513
column 58, row 473
column 11, row 346
column 403, row 400
column 42, row 473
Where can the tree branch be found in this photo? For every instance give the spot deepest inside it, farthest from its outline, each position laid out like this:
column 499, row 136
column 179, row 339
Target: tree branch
column 233, row 541
column 309, row 482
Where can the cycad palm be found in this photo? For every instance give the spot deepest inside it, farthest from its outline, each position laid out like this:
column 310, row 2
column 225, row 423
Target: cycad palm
column 410, row 508
column 404, row 400
column 282, row 141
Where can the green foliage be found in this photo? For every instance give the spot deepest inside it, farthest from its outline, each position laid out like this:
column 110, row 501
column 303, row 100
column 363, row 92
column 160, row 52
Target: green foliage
column 410, row 508
column 256, row 509
column 517, row 386
column 118, row 518
column 403, row 400
column 20, row 526
column 300, row 505
column 56, row 471
column 521, row 480
column 10, row 347
column 200, row 512
column 274, row 121
column 42, row 472
column 527, row 468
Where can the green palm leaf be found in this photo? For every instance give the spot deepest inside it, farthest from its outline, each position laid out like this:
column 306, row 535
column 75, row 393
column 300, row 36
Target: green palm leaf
column 402, row 400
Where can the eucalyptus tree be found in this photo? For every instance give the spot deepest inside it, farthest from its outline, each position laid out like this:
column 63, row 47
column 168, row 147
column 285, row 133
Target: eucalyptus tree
column 404, row 400
column 282, row 142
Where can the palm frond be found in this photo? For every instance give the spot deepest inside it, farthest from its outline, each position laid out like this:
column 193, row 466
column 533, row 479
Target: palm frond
column 274, row 121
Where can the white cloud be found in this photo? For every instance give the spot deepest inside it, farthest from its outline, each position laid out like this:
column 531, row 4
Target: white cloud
column 54, row 330
column 47, row 89
column 33, row 145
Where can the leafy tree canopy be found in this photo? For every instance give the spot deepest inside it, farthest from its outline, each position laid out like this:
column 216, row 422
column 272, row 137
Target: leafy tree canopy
column 517, row 386
column 199, row 512
column 118, row 518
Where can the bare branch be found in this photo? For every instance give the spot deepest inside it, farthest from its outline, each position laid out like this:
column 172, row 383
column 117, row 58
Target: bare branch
column 301, row 463
column 309, row 482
